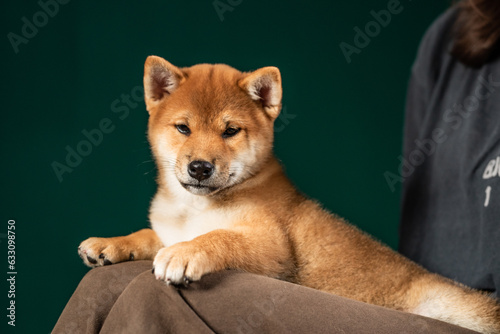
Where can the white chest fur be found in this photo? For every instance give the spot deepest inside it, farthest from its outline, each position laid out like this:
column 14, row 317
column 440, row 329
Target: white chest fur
column 183, row 219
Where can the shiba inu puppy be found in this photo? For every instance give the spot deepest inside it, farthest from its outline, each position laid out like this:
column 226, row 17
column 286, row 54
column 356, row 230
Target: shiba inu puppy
column 223, row 201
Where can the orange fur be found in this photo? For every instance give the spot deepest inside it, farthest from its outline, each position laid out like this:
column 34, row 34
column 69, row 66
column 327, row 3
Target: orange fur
column 248, row 215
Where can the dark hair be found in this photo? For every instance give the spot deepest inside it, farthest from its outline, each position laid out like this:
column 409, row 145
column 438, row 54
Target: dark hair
column 477, row 31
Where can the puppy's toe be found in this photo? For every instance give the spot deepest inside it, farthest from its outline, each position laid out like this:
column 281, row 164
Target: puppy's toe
column 175, row 274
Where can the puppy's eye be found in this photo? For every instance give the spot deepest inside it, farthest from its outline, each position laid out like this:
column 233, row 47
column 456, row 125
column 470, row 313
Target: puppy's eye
column 230, row 132
column 184, row 129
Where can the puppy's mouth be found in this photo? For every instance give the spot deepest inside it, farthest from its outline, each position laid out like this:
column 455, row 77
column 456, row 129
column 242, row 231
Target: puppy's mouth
column 199, row 189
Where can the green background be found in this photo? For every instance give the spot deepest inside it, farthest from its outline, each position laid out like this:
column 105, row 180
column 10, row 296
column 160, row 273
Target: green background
column 346, row 131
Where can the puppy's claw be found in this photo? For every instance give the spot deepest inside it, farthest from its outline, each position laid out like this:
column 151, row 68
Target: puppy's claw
column 107, row 262
column 91, row 260
column 187, row 281
column 102, row 256
column 153, row 270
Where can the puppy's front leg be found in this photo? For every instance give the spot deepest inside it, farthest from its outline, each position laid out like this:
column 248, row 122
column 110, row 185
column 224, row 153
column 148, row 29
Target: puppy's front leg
column 260, row 253
column 141, row 245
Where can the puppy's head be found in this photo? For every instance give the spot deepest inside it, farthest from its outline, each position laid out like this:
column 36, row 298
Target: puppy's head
column 210, row 126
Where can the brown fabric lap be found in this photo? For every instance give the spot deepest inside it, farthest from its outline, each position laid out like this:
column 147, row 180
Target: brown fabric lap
column 126, row 298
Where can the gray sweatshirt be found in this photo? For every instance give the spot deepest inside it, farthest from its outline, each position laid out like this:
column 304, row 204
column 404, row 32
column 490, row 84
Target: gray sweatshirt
column 450, row 171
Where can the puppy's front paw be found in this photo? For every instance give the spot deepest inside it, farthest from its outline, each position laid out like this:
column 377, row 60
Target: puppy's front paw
column 97, row 252
column 181, row 263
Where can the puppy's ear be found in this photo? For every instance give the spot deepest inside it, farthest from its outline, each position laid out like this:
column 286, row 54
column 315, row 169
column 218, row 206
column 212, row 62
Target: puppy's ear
column 264, row 85
column 160, row 80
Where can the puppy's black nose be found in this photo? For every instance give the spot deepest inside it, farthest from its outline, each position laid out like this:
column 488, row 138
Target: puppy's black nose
column 200, row 170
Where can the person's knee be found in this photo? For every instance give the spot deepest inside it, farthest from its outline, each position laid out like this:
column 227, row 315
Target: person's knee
column 113, row 278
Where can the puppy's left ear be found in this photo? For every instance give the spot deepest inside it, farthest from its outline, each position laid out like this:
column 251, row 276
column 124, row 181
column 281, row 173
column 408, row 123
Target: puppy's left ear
column 264, row 85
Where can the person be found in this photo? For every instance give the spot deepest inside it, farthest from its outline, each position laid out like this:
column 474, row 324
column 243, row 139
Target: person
column 450, row 208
